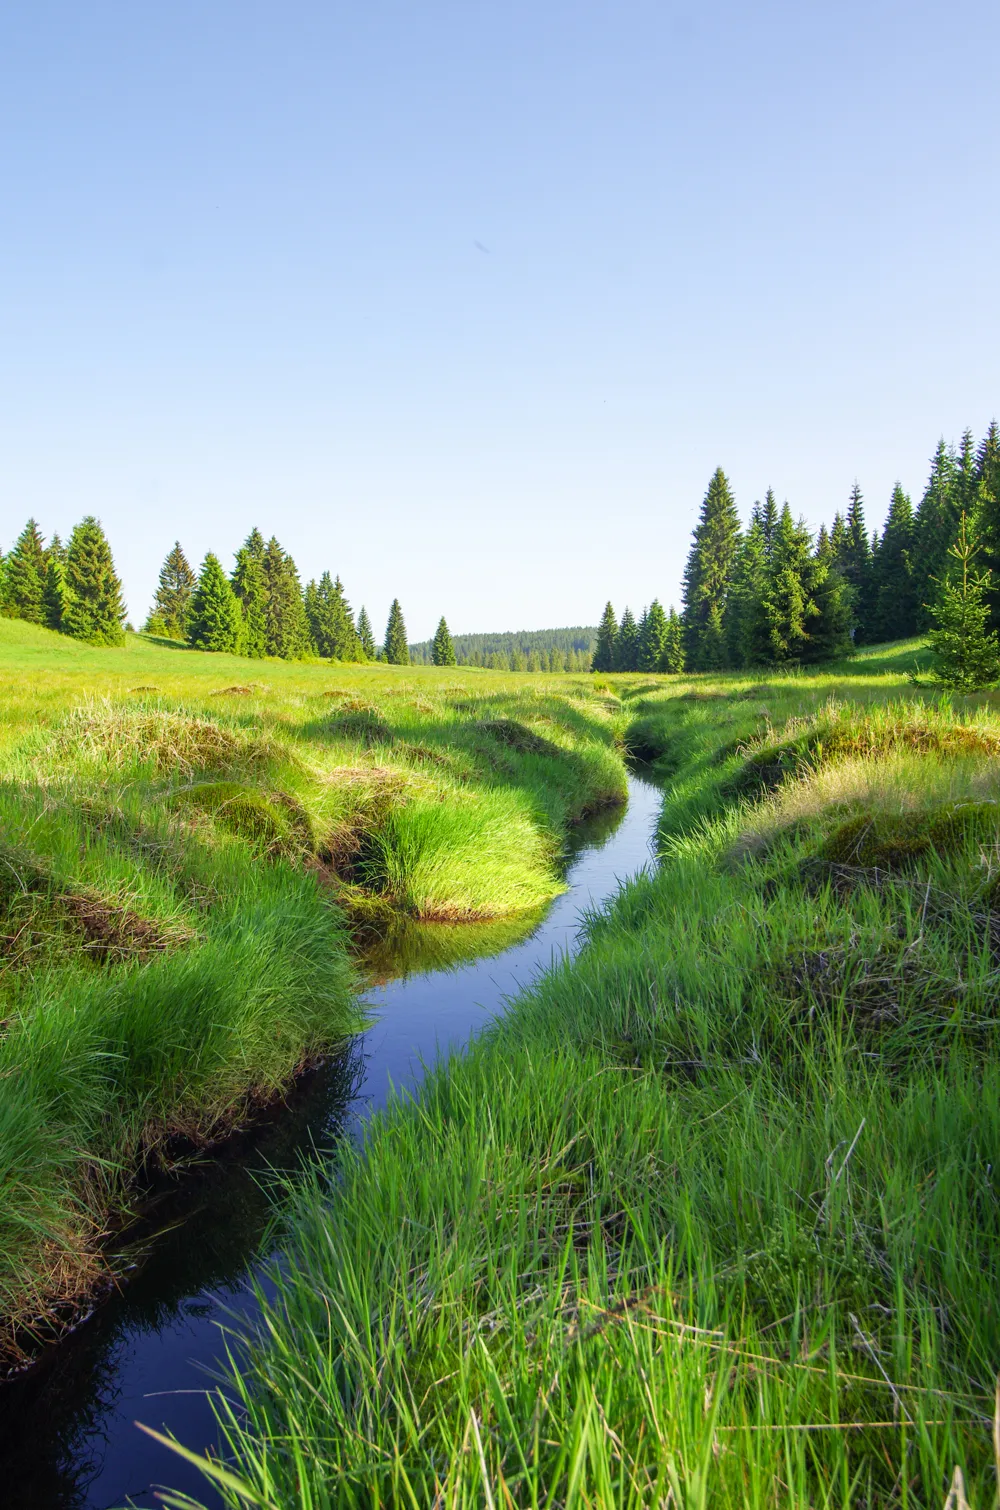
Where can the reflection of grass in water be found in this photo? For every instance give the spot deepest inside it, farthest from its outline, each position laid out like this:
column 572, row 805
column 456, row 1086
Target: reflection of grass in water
column 407, row 947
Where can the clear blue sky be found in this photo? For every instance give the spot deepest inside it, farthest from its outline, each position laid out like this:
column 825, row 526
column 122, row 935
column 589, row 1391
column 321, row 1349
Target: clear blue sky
column 240, row 281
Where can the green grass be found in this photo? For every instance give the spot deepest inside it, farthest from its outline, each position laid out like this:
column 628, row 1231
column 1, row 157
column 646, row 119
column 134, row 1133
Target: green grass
column 712, row 1218
column 181, row 838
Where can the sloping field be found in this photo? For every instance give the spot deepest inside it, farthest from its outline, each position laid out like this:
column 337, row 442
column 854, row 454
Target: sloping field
column 182, row 836
column 713, row 1217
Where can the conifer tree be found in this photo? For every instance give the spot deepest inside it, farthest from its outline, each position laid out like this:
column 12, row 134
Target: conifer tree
column 443, row 649
column 894, row 600
column 746, row 636
column 767, row 515
column 93, row 606
column 968, row 652
column 24, row 577
column 830, row 628
column 330, row 622
column 987, row 516
column 54, row 593
column 855, row 563
column 366, row 638
column 673, row 645
column 708, row 576
column 249, row 583
column 605, row 650
column 215, row 619
column 653, row 640
column 287, row 627
column 787, row 604
column 627, row 645
column 168, row 615
column 935, row 527
column 396, row 648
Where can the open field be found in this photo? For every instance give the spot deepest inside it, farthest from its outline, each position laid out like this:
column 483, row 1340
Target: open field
column 181, row 836
column 712, row 1218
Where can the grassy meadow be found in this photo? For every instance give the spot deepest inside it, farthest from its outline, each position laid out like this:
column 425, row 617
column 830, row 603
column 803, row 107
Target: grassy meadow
column 712, row 1217
column 185, row 840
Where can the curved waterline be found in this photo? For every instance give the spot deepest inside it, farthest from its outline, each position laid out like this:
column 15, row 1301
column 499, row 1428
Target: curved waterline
column 67, row 1432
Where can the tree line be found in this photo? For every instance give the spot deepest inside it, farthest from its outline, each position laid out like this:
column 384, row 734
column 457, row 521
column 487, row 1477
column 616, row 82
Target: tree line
column 557, row 650
column 773, row 594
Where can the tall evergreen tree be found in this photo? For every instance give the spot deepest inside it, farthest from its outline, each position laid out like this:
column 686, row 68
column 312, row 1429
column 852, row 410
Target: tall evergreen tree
column 830, row 628
column 746, row 637
column 708, row 576
column 366, row 638
column 396, row 648
column 24, row 577
column 94, row 609
column 935, row 528
column 330, row 621
column 443, row 650
column 653, row 641
column 855, row 564
column 287, row 627
column 627, row 646
column 968, row 652
column 215, row 619
column 788, row 605
column 673, row 644
column 895, row 602
column 249, row 583
column 605, row 650
column 168, row 615
column 54, row 593
column 987, row 517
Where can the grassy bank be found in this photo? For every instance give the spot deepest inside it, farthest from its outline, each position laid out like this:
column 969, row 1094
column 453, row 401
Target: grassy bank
column 181, row 838
column 713, row 1217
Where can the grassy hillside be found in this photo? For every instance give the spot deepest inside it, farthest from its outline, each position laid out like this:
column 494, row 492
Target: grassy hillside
column 713, row 1218
column 181, row 835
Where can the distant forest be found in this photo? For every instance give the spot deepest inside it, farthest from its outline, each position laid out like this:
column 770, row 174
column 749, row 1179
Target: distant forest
column 520, row 650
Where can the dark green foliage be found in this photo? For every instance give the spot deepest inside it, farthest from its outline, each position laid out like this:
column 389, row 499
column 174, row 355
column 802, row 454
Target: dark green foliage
column 215, row 619
column 606, row 648
column 573, row 647
column 968, row 652
column 627, row 646
column 287, row 632
column 366, row 639
column 250, row 586
column 746, row 638
column 894, row 599
column 396, row 649
column 653, row 639
column 830, row 629
column 24, row 577
column 443, row 653
column 853, row 559
column 673, row 644
column 708, row 576
column 168, row 615
column 330, row 623
column 54, row 594
column 987, row 516
column 93, row 607
column 787, row 606
column 935, row 527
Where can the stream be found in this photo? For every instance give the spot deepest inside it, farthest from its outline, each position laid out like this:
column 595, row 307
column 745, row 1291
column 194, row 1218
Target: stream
column 68, row 1438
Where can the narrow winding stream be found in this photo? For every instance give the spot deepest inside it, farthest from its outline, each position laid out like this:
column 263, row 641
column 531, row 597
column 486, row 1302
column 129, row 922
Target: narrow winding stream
column 67, row 1432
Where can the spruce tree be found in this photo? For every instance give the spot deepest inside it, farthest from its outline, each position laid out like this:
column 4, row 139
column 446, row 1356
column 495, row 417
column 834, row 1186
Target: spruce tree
column 894, row 600
column 855, row 564
column 24, row 577
column 627, row 646
column 249, row 583
column 366, row 638
column 830, row 628
column 787, row 604
column 54, row 594
column 935, row 527
column 708, row 576
column 93, row 606
column 443, row 649
column 285, row 615
column 606, row 647
column 396, row 648
column 673, row 645
column 653, row 641
column 746, row 639
column 330, row 622
column 967, row 650
column 215, row 619
column 987, row 516
column 168, row 615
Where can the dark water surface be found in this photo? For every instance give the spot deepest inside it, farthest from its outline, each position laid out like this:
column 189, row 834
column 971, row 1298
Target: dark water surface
column 67, row 1427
